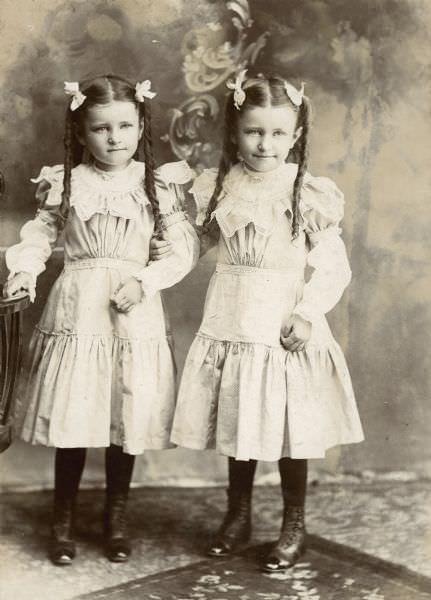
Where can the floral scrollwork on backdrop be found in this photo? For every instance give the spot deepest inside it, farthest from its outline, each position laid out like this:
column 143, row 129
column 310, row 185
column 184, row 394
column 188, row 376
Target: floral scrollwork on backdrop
column 210, row 58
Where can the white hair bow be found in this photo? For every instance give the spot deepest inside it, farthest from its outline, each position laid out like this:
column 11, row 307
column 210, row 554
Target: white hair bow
column 71, row 88
column 143, row 91
column 236, row 86
column 294, row 95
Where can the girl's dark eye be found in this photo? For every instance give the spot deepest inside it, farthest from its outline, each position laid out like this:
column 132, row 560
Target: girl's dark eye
column 98, row 129
column 126, row 125
column 279, row 132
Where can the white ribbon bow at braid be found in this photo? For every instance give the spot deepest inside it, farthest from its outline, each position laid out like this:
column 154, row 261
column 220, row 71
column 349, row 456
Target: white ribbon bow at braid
column 71, row 88
column 143, row 91
column 294, row 95
column 236, row 86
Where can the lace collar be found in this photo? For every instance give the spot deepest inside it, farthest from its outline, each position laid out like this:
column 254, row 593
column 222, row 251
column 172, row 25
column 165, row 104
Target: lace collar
column 119, row 193
column 251, row 197
column 121, row 178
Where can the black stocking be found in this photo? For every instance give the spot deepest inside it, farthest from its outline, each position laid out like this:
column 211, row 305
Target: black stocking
column 293, row 473
column 69, row 464
column 119, row 470
column 241, row 476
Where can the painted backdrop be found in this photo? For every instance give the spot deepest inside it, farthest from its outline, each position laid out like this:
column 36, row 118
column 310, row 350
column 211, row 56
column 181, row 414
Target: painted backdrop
column 366, row 67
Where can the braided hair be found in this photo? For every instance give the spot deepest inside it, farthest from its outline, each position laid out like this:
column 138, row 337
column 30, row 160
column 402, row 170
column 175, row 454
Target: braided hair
column 103, row 90
column 227, row 160
column 263, row 91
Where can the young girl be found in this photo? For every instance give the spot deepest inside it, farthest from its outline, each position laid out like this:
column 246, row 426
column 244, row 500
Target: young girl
column 102, row 372
column 264, row 378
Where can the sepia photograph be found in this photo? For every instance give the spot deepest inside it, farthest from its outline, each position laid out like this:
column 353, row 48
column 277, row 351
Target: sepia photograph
column 215, row 300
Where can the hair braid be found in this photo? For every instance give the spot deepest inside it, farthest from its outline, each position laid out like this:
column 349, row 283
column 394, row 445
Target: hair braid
column 304, row 122
column 226, row 161
column 68, row 165
column 222, row 171
column 150, row 186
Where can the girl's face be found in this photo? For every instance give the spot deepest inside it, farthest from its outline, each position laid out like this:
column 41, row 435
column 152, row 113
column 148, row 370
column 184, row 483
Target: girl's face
column 265, row 136
column 111, row 133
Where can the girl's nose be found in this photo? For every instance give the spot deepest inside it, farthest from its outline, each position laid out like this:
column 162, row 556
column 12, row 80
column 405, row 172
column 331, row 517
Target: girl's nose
column 264, row 144
column 113, row 138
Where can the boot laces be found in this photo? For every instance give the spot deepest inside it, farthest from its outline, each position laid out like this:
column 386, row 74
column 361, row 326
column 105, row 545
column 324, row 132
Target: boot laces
column 293, row 528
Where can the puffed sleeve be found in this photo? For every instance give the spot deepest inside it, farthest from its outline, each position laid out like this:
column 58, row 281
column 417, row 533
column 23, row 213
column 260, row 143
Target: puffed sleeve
column 322, row 209
column 165, row 273
column 38, row 236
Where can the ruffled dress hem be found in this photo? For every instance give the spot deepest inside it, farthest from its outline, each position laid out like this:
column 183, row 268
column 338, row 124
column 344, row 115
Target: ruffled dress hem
column 125, row 404
column 27, row 435
column 264, row 403
column 193, row 444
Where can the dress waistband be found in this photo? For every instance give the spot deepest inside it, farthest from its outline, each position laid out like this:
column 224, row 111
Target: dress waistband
column 104, row 263
column 245, row 269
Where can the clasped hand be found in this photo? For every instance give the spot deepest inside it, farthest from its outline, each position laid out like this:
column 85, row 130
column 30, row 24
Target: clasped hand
column 160, row 249
column 295, row 334
column 127, row 295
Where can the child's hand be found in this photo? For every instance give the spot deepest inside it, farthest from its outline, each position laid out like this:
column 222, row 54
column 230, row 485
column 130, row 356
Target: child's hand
column 160, row 249
column 127, row 295
column 19, row 282
column 295, row 334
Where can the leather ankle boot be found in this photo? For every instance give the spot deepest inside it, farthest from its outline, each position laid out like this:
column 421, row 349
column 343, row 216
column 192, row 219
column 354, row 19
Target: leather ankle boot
column 118, row 547
column 291, row 543
column 236, row 527
column 62, row 548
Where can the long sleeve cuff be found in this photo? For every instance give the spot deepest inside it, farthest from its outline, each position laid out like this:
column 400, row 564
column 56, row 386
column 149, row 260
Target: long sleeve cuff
column 38, row 238
column 330, row 277
column 164, row 273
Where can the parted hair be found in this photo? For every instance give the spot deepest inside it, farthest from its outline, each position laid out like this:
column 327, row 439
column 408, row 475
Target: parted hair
column 103, row 90
column 262, row 91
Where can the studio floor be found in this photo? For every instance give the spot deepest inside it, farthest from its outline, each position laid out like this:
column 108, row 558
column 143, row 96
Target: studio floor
column 386, row 521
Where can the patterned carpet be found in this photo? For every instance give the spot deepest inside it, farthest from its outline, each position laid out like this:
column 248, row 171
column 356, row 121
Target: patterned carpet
column 170, row 528
column 333, row 572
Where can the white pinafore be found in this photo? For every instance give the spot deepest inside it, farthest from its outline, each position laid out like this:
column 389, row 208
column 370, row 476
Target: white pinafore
column 241, row 392
column 94, row 376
